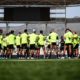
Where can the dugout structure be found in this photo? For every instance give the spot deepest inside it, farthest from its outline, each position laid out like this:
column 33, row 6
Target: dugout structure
column 61, row 22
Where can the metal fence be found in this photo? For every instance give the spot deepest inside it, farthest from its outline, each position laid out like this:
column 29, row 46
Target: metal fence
column 59, row 28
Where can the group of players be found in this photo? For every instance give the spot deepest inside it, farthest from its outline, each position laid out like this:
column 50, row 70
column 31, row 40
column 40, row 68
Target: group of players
column 30, row 44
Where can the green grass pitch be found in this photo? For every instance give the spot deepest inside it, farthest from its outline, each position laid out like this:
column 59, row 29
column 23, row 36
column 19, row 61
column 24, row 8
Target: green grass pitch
column 40, row 69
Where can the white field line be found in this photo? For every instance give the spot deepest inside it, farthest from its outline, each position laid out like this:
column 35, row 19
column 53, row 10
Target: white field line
column 26, row 60
column 41, row 60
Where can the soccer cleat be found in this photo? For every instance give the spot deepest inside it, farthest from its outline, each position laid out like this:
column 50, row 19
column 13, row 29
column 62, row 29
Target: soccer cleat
column 27, row 57
column 32, row 58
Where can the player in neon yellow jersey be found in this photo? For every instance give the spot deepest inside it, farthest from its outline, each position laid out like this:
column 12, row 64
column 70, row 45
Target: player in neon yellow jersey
column 75, row 43
column 7, row 43
column 68, row 42
column 53, row 38
column 78, row 40
column 4, row 46
column 18, row 44
column 1, row 37
column 11, row 38
column 41, row 40
column 48, row 44
column 62, row 42
column 24, row 41
column 33, row 40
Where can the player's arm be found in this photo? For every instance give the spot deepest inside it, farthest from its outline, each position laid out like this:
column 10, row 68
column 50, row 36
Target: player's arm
column 28, row 39
column 57, row 36
column 20, row 38
column 64, row 37
column 75, row 37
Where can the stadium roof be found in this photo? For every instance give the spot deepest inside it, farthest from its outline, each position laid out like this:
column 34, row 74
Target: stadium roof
column 39, row 2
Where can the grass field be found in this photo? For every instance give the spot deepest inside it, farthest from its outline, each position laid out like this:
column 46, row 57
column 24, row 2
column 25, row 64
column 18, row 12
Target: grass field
column 39, row 69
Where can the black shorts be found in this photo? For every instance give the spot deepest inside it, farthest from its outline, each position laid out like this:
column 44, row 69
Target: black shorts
column 48, row 46
column 11, row 46
column 5, row 48
column 40, row 45
column 0, row 46
column 32, row 46
column 53, row 43
column 68, row 44
column 77, row 46
column 62, row 48
column 8, row 46
column 24, row 46
column 18, row 46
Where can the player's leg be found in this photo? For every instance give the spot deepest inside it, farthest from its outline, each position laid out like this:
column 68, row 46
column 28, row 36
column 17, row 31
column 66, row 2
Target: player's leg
column 45, row 54
column 11, row 50
column 70, row 50
column 56, row 50
column 21, row 52
column 25, row 49
column 4, row 51
column 48, row 50
column 65, row 47
column 7, row 52
column 32, row 50
column 37, row 47
column 28, row 52
column 18, row 50
column 60, row 51
column 51, row 48
column 37, row 52
column 77, row 50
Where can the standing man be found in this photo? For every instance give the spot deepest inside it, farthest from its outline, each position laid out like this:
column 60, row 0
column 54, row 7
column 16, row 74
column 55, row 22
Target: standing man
column 4, row 46
column 33, row 38
column 41, row 43
column 7, row 43
column 75, row 43
column 1, row 37
column 11, row 42
column 18, row 44
column 24, row 41
column 48, row 45
column 62, row 42
column 53, row 38
column 68, row 42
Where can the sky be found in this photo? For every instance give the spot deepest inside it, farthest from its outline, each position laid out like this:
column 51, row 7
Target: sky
column 71, row 13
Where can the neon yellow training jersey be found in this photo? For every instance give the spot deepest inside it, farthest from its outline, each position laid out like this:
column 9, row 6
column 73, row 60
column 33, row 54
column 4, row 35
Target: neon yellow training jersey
column 78, row 40
column 68, row 37
column 24, row 38
column 41, row 39
column 1, row 38
column 33, row 38
column 75, row 40
column 7, row 40
column 17, row 40
column 53, row 37
column 11, row 39
column 4, row 42
column 48, row 41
